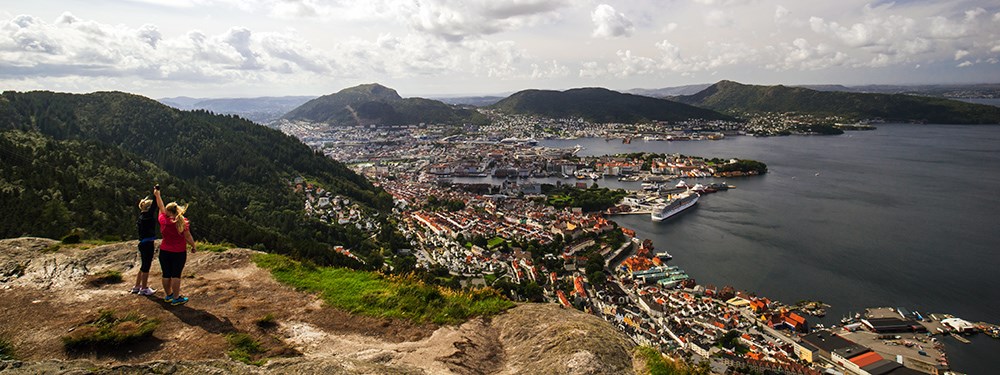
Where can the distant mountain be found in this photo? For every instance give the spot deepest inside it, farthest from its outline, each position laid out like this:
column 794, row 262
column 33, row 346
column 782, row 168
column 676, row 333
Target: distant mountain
column 475, row 101
column 83, row 161
column 733, row 97
column 667, row 92
column 965, row 91
column 374, row 104
column 261, row 110
column 601, row 105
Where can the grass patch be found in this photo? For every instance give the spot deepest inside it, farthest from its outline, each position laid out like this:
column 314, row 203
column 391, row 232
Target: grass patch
column 215, row 248
column 104, row 278
column 373, row 294
column 109, row 330
column 6, row 351
column 266, row 322
column 246, row 349
column 494, row 242
column 657, row 365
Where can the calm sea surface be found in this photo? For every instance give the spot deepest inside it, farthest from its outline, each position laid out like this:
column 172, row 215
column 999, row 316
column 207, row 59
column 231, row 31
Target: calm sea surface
column 905, row 215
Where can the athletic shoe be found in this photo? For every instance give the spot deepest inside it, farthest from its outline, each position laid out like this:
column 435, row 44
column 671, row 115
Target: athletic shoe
column 168, row 299
column 147, row 291
column 179, row 301
column 135, row 290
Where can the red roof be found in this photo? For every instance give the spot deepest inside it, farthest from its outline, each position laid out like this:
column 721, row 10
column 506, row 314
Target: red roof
column 866, row 359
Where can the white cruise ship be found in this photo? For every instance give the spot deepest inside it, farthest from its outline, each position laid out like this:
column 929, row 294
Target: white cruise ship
column 673, row 207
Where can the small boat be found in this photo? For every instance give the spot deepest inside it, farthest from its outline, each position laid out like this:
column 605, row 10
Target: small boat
column 649, row 186
column 681, row 185
column 719, row 186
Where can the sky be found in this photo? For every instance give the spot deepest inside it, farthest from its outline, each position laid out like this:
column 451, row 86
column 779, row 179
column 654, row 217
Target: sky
column 248, row 48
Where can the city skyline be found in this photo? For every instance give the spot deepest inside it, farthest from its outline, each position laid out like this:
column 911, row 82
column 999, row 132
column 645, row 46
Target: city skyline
column 227, row 48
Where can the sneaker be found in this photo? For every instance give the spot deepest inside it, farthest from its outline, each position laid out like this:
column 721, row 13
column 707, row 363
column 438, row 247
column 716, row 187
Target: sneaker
column 135, row 290
column 179, row 301
column 168, row 299
column 147, row 291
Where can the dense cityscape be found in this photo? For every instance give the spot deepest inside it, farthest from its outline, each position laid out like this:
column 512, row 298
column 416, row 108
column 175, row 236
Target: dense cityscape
column 559, row 243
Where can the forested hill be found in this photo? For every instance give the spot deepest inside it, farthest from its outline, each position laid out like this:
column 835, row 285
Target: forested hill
column 601, row 105
column 374, row 104
column 733, row 97
column 83, row 161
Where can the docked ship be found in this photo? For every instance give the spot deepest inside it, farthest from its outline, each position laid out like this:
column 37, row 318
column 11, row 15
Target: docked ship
column 673, row 207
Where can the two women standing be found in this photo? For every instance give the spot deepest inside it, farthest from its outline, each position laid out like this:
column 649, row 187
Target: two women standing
column 176, row 232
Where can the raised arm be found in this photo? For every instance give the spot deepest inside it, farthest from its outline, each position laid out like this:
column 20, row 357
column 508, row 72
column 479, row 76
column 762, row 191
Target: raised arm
column 159, row 201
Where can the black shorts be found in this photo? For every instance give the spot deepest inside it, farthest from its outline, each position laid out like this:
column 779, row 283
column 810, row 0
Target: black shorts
column 172, row 263
column 146, row 255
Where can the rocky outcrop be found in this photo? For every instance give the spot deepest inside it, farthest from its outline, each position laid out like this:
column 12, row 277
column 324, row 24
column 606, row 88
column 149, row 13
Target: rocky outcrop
column 547, row 339
column 43, row 295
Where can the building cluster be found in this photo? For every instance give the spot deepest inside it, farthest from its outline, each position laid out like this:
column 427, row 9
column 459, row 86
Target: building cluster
column 335, row 209
column 779, row 123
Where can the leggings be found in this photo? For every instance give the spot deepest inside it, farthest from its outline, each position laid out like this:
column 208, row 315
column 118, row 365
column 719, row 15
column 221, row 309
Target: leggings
column 172, row 263
column 146, row 255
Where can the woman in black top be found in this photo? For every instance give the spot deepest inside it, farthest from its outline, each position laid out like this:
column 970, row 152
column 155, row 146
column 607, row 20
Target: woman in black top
column 147, row 234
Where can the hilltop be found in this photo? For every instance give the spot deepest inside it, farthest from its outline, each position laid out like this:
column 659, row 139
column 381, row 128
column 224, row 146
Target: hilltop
column 44, row 296
column 83, row 161
column 601, row 105
column 735, row 98
column 374, row 104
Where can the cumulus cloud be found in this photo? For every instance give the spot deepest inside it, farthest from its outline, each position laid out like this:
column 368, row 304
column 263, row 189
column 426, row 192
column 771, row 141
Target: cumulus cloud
column 960, row 54
column 456, row 20
column 31, row 47
column 609, row 23
column 548, row 70
column 964, row 64
column 780, row 14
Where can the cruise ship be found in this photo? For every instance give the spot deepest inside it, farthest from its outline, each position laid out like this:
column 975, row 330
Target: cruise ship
column 673, row 207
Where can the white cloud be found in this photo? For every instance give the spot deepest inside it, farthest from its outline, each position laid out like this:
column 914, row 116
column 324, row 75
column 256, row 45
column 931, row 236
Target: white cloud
column 719, row 18
column 609, row 23
column 455, row 20
column 964, row 64
column 548, row 70
column 972, row 14
column 780, row 14
column 671, row 27
column 960, row 54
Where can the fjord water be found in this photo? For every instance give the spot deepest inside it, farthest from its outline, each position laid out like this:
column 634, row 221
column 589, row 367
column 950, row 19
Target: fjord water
column 905, row 216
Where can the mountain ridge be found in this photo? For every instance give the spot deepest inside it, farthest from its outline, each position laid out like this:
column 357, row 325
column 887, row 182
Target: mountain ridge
column 599, row 104
column 734, row 97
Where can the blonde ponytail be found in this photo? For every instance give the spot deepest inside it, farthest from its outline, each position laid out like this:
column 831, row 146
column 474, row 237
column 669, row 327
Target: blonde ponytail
column 178, row 212
column 145, row 204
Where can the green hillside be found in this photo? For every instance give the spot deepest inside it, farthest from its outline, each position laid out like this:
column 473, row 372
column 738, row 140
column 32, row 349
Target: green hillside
column 601, row 105
column 732, row 97
column 374, row 104
column 83, row 161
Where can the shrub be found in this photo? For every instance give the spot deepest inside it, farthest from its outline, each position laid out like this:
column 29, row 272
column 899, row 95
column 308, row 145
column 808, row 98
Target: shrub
column 266, row 321
column 244, row 348
column 6, row 350
column 109, row 330
column 73, row 237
